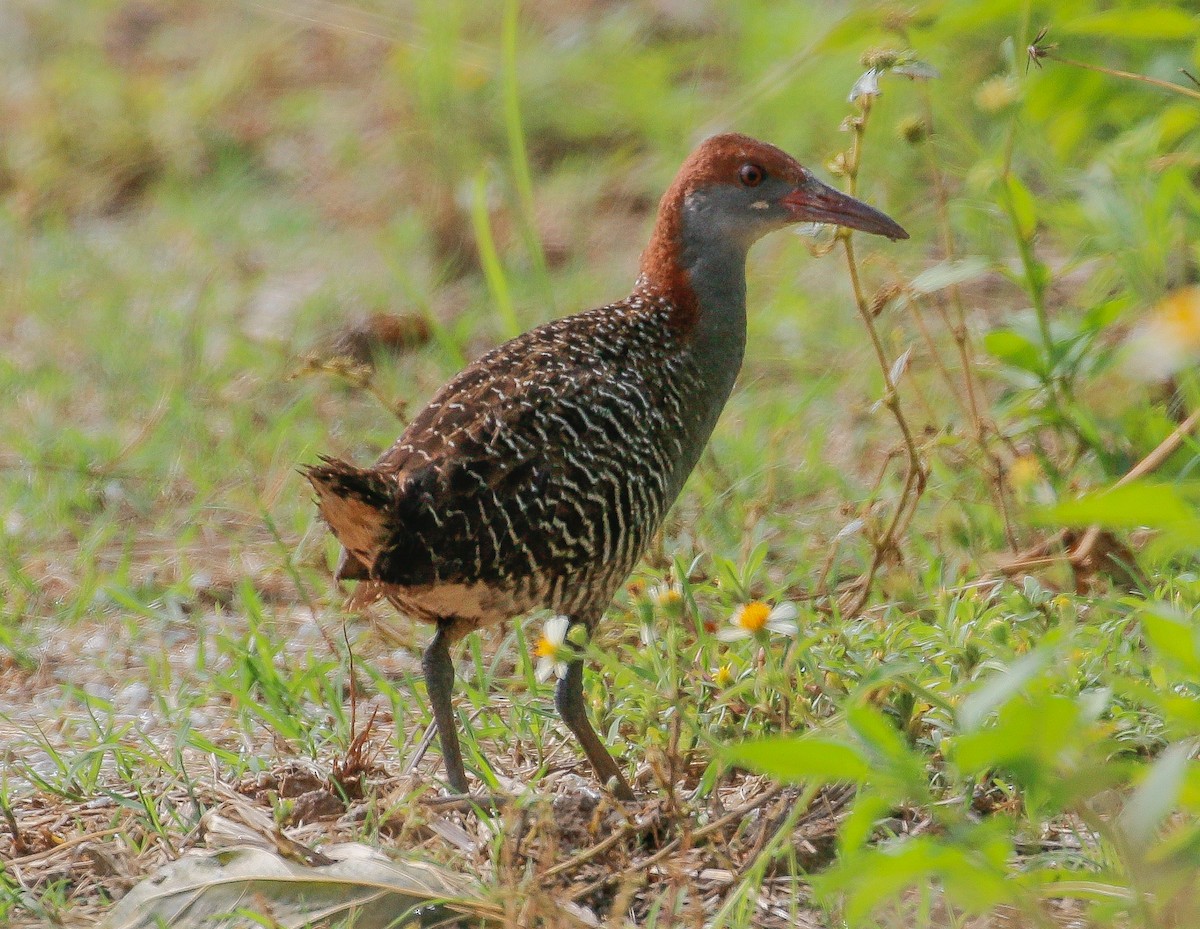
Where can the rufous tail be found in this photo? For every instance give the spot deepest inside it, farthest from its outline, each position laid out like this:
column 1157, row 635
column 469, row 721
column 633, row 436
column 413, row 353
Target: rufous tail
column 356, row 504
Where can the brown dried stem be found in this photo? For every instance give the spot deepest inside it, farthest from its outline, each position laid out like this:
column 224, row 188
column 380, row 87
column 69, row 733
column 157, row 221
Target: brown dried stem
column 1037, row 54
column 915, row 474
column 819, row 589
column 730, row 818
column 354, row 373
column 1082, row 552
column 961, row 334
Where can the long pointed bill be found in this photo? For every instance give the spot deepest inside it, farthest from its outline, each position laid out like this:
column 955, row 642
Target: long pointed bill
column 814, row 202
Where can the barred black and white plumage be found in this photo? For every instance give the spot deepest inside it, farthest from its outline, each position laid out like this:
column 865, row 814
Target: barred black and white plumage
column 538, row 475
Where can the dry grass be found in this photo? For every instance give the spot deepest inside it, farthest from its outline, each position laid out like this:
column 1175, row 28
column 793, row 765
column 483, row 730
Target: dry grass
column 562, row 840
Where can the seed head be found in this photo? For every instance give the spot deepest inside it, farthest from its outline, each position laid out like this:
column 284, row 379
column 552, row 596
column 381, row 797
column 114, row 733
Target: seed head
column 913, row 129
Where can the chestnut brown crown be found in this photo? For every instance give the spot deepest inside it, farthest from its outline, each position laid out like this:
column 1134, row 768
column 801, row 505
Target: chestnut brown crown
column 731, row 191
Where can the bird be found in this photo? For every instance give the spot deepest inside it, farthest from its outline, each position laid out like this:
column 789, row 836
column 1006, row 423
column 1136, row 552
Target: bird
column 536, row 477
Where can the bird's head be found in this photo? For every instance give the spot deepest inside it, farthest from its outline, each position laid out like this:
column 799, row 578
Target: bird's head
column 740, row 188
column 730, row 192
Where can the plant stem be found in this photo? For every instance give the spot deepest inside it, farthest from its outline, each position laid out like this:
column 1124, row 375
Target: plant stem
column 1037, row 286
column 960, row 332
column 493, row 270
column 519, row 154
column 915, row 476
column 1127, row 75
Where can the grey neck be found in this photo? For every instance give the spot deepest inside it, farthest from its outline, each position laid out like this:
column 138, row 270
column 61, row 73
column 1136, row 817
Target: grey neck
column 716, row 264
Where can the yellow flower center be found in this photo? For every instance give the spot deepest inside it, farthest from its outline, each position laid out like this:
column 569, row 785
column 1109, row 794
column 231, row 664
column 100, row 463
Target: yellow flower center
column 1181, row 313
column 724, row 676
column 753, row 617
column 546, row 649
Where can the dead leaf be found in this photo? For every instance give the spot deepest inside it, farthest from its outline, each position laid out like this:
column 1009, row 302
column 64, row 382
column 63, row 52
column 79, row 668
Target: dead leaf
column 236, row 887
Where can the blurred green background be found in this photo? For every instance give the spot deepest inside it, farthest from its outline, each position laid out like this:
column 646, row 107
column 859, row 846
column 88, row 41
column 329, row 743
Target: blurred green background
column 194, row 194
column 204, row 204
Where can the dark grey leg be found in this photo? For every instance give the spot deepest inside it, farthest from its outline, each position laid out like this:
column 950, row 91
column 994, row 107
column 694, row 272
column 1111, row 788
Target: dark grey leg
column 568, row 698
column 439, row 680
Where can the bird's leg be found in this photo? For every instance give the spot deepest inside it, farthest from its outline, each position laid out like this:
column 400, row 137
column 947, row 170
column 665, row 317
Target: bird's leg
column 568, row 698
column 439, row 681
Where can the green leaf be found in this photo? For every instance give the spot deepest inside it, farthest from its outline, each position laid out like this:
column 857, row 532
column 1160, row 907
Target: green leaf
column 754, row 562
column 893, row 755
column 1014, row 350
column 877, row 875
column 1029, row 739
column 122, row 597
column 976, row 875
column 489, row 257
column 1157, row 795
column 1104, row 314
column 1172, row 636
column 1000, row 689
column 792, row 759
column 972, row 867
column 1189, row 790
column 1158, row 506
column 1140, row 22
column 1085, row 423
column 1022, row 205
column 857, row 827
column 1182, row 713
column 729, row 576
column 1058, row 882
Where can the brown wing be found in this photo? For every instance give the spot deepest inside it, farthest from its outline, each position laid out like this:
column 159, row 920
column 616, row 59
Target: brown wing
column 516, row 468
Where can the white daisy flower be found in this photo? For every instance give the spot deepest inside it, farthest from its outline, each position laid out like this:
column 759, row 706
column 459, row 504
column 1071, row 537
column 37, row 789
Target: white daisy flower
column 757, row 618
column 667, row 597
column 551, row 650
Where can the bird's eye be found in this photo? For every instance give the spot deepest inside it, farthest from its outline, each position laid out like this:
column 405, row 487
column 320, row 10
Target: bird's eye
column 751, row 175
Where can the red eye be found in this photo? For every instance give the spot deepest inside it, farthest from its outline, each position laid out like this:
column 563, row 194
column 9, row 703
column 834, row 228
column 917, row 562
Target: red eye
column 751, row 175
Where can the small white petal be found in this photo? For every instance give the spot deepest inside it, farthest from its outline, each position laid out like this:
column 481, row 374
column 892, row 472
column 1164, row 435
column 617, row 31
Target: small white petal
column 786, row 611
column 560, row 669
column 647, row 635
column 899, row 366
column 545, row 667
column 855, row 525
column 732, row 634
column 810, row 230
column 917, row 70
column 783, row 626
column 555, row 629
column 865, row 86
